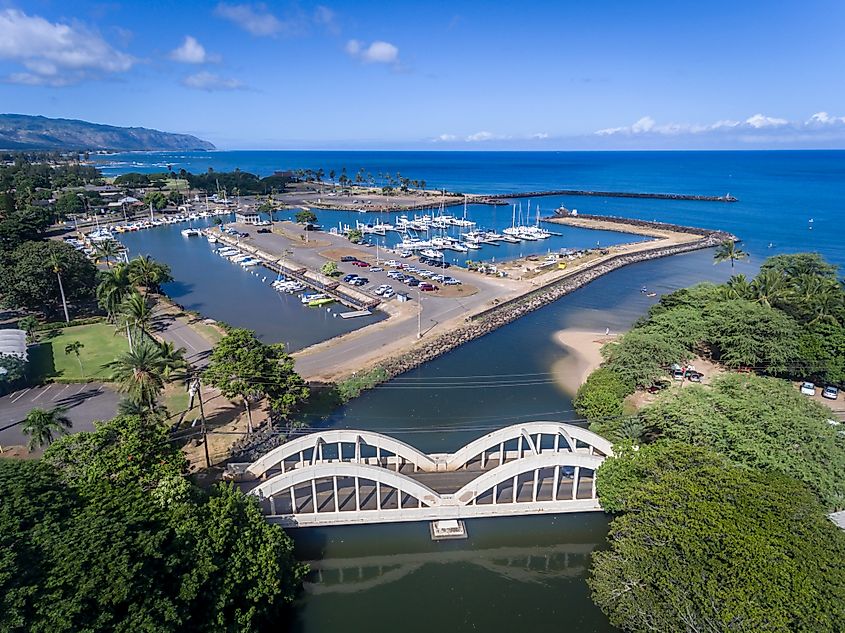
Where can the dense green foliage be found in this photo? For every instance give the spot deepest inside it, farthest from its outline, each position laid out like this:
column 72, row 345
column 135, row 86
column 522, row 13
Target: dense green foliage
column 29, row 279
column 600, row 397
column 759, row 422
column 707, row 546
column 305, row 216
column 106, row 534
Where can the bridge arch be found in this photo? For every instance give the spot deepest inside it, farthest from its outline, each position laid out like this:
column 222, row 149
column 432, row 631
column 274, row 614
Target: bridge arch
column 530, row 441
column 553, row 465
column 406, row 489
column 318, row 443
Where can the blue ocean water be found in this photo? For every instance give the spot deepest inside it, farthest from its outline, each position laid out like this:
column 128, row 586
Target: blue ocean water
column 779, row 191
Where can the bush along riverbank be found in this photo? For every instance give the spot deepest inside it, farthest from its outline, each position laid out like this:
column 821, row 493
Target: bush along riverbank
column 731, row 479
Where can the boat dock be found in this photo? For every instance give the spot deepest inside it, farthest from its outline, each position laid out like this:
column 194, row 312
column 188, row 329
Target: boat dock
column 357, row 313
column 349, row 297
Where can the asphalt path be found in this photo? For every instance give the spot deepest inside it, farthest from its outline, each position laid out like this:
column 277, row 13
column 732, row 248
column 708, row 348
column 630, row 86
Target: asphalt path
column 171, row 329
column 85, row 402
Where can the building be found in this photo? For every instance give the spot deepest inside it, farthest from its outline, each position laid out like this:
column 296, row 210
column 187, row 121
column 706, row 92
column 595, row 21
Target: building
column 246, row 216
column 13, row 343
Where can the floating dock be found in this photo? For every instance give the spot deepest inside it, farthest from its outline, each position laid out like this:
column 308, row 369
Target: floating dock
column 356, row 313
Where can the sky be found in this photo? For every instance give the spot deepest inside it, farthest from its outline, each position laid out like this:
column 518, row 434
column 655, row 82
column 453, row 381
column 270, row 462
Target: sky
column 436, row 74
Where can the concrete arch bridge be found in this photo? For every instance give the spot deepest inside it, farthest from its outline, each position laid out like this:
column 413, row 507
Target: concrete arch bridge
column 347, row 477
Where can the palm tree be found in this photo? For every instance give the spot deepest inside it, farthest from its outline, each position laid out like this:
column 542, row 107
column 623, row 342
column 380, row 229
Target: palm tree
column 136, row 313
column 108, row 249
column 28, row 325
column 769, row 287
column 738, row 287
column 173, row 361
column 827, row 303
column 139, row 373
column 40, row 425
column 728, row 250
column 147, row 272
column 74, row 348
column 58, row 270
column 127, row 406
column 113, row 288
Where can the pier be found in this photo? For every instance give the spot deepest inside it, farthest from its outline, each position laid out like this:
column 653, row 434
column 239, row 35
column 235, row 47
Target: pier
column 349, row 477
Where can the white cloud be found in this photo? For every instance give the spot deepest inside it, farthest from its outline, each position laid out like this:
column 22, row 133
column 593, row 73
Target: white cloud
column 192, row 52
column 445, row 138
column 824, row 119
column 479, row 137
column 254, row 19
column 211, row 82
column 758, row 120
column 55, row 53
column 378, row 52
column 540, row 136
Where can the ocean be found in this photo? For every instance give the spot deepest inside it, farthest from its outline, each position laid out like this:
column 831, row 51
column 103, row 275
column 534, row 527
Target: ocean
column 788, row 201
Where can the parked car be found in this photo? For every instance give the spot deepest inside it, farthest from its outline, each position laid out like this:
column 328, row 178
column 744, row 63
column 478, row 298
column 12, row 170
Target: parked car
column 264, row 231
column 411, row 281
column 388, row 293
column 830, row 392
column 428, row 287
column 348, row 258
column 678, row 374
column 392, row 263
column 694, row 376
column 361, row 264
column 349, row 277
column 808, row 389
column 376, row 269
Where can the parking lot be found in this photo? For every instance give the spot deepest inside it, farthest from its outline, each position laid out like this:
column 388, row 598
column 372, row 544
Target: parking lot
column 85, row 402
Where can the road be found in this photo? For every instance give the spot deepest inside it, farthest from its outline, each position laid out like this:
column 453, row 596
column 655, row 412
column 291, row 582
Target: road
column 177, row 331
column 85, row 402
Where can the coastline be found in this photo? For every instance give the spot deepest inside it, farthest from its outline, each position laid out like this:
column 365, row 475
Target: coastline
column 583, row 356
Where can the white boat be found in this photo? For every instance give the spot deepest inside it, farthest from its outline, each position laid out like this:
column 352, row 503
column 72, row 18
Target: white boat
column 305, row 298
column 472, row 247
column 190, row 232
column 430, row 252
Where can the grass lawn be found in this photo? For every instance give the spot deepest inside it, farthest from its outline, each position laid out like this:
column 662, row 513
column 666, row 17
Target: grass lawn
column 176, row 401
column 100, row 345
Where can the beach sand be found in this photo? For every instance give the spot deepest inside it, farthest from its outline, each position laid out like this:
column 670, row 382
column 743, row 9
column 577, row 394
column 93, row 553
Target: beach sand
column 583, row 355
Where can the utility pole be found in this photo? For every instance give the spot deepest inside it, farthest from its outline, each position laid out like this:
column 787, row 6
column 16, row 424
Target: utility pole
column 196, row 387
column 419, row 313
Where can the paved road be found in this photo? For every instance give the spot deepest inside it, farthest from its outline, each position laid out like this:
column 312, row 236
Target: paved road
column 85, row 403
column 197, row 348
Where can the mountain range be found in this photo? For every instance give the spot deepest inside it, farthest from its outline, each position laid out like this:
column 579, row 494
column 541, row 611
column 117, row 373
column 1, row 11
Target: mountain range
column 25, row 132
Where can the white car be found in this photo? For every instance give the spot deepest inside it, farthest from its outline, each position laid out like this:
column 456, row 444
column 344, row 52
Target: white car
column 388, row 293
column 808, row 389
column 376, row 269
column 392, row 262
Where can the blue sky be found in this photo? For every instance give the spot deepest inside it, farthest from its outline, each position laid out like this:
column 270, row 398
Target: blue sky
column 436, row 75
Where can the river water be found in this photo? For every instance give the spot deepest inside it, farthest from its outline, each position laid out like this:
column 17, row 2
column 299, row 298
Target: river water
column 527, row 573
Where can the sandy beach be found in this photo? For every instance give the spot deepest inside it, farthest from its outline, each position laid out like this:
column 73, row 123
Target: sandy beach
column 583, row 355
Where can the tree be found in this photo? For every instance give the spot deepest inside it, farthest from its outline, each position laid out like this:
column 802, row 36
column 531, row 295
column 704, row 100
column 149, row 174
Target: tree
column 114, row 286
column 69, row 204
column 40, row 425
column 757, row 422
column 306, row 216
column 728, row 251
column 46, row 277
column 108, row 250
column 29, row 324
column 132, row 179
column 136, row 313
column 157, row 199
column 355, row 236
column 601, row 396
column 145, row 271
column 242, row 366
column 745, row 334
column 175, row 367
column 643, row 357
column 703, row 546
column 140, row 372
column 329, row 269
column 74, row 348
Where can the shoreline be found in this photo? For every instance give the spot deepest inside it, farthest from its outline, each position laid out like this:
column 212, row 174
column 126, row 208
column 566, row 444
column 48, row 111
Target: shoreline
column 583, row 356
